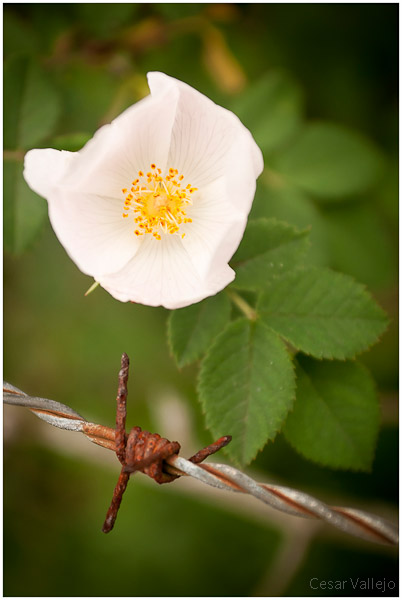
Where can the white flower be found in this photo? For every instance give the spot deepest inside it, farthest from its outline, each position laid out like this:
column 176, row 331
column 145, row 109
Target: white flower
column 156, row 203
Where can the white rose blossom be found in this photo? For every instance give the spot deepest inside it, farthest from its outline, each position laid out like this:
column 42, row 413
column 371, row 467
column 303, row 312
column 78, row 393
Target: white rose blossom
column 155, row 204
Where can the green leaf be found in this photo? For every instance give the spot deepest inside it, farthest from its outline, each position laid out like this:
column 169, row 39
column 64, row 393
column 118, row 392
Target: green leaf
column 331, row 161
column 24, row 211
column 335, row 419
column 360, row 243
column 322, row 313
column 33, row 105
column 272, row 109
column 89, row 91
column 277, row 199
column 246, row 387
column 70, row 141
column 19, row 35
column 105, row 20
column 174, row 10
column 269, row 248
column 192, row 329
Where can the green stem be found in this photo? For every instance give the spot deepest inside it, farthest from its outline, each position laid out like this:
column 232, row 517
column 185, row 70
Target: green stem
column 241, row 304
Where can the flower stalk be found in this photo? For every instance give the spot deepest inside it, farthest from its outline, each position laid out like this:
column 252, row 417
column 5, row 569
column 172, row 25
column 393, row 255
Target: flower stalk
column 242, row 305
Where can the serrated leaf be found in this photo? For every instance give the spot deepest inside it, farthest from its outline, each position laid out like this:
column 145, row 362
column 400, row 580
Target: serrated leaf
column 32, row 103
column 268, row 249
column 335, row 419
column 246, row 387
column 24, row 211
column 322, row 313
column 272, row 109
column 279, row 200
column 331, row 161
column 192, row 329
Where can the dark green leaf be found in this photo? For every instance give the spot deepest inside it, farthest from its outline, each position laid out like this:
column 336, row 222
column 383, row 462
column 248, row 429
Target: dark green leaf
column 24, row 211
column 271, row 109
column 89, row 91
column 33, row 105
column 360, row 243
column 174, row 10
column 276, row 198
column 104, row 20
column 71, row 141
column 192, row 329
column 246, row 387
column 322, row 313
column 269, row 248
column 335, row 418
column 19, row 36
column 331, row 161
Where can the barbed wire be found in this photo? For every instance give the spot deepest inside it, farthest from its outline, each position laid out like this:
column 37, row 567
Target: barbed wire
column 294, row 502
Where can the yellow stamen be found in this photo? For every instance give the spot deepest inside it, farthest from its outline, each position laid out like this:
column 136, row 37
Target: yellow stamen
column 159, row 203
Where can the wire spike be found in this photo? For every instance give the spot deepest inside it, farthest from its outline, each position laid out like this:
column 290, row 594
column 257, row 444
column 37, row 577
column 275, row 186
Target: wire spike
column 294, row 502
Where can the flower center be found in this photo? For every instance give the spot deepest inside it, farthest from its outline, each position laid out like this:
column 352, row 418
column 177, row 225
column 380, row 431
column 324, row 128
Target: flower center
column 159, row 203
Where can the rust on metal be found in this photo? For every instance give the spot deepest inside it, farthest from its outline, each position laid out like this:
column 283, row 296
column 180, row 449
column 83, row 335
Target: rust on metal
column 292, row 503
column 121, row 410
column 140, row 451
column 100, row 434
column 211, row 449
column 116, row 501
column 57, row 414
column 363, row 524
column 352, row 521
column 223, row 478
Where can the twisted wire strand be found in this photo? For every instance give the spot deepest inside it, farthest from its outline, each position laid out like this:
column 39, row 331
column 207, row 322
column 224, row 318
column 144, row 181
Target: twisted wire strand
column 224, row 477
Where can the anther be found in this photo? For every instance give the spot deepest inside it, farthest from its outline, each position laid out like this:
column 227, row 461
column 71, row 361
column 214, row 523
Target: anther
column 159, row 203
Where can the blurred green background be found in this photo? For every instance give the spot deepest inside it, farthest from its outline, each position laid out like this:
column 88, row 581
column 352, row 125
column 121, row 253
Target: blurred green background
column 181, row 539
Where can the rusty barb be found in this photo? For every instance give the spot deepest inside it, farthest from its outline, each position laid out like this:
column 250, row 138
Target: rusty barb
column 158, row 458
column 143, row 451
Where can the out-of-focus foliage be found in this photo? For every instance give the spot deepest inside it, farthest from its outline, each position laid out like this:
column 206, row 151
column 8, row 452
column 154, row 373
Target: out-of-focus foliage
column 319, row 92
column 272, row 108
column 33, row 107
column 330, row 162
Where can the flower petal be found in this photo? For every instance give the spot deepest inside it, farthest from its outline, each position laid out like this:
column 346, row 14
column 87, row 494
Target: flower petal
column 216, row 230
column 176, row 127
column 137, row 138
column 84, row 189
column 90, row 227
column 43, row 169
column 99, row 240
column 204, row 134
column 162, row 273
